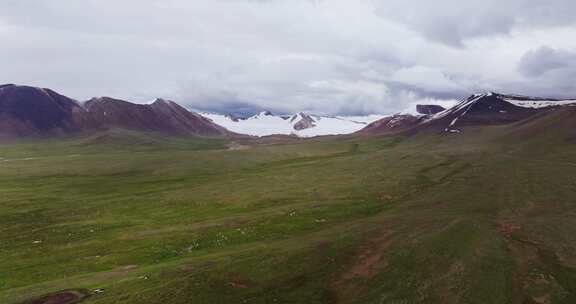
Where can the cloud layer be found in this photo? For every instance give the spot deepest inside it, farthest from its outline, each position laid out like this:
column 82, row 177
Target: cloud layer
column 325, row 56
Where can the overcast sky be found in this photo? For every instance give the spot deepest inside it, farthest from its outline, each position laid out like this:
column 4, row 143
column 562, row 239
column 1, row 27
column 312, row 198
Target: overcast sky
column 322, row 56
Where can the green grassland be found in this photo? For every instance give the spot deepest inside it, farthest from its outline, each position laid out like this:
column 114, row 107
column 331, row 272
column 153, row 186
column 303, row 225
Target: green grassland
column 487, row 216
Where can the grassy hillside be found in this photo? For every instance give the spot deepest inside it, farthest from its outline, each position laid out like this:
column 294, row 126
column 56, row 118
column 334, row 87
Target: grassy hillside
column 487, row 216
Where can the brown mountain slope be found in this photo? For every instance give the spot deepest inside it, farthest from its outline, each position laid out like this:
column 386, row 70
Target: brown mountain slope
column 557, row 124
column 395, row 123
column 28, row 111
column 161, row 116
column 36, row 112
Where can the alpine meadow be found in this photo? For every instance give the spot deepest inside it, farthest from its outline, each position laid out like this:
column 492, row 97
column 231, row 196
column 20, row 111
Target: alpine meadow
column 303, row 152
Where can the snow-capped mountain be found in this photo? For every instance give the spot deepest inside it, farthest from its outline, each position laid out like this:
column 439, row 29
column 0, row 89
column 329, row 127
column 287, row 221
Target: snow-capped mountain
column 492, row 108
column 300, row 124
column 534, row 102
column 476, row 110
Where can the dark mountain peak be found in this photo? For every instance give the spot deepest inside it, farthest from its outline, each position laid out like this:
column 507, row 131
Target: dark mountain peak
column 28, row 91
column 488, row 100
column 300, row 115
column 7, row 85
column 515, row 96
column 32, row 111
column 490, row 109
column 104, row 100
column 12, row 85
column 165, row 102
column 523, row 100
column 162, row 116
column 479, row 109
column 169, row 106
column 261, row 115
column 161, row 100
column 303, row 121
column 234, row 117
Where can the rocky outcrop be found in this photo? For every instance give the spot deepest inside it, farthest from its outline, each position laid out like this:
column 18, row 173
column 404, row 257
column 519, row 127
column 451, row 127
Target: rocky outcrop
column 429, row 109
column 302, row 121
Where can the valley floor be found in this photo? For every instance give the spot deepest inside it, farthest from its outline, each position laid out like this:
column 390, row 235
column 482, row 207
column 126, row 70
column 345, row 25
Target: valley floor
column 425, row 219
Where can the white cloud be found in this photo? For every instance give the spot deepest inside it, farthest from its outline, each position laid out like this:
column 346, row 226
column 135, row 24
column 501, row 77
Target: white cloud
column 329, row 56
column 452, row 22
column 426, row 78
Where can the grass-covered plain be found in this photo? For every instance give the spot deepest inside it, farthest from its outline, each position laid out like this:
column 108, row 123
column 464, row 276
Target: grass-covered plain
column 482, row 217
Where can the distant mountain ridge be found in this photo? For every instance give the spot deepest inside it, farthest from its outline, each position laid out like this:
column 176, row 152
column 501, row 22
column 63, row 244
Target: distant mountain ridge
column 27, row 111
column 160, row 116
column 478, row 109
column 299, row 124
column 491, row 109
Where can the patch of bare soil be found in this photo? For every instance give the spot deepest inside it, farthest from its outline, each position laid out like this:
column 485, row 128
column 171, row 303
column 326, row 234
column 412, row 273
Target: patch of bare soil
column 121, row 271
column 450, row 293
column 238, row 285
column 236, row 281
column 531, row 270
column 507, row 228
column 61, row 297
column 234, row 146
column 385, row 197
column 369, row 260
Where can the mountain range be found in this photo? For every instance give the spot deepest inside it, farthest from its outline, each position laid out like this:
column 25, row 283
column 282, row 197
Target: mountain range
column 27, row 111
column 300, row 124
column 476, row 110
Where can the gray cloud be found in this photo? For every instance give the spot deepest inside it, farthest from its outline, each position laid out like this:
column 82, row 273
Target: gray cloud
column 551, row 71
column 325, row 56
column 544, row 60
column 451, row 22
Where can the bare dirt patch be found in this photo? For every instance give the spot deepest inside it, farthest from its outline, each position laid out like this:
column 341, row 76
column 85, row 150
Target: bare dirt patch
column 121, row 271
column 369, row 260
column 237, row 281
column 533, row 282
column 507, row 228
column 61, row 297
column 234, row 146
column 238, row 285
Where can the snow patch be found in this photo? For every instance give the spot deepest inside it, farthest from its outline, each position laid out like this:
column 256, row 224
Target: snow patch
column 265, row 124
column 460, row 106
column 538, row 104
